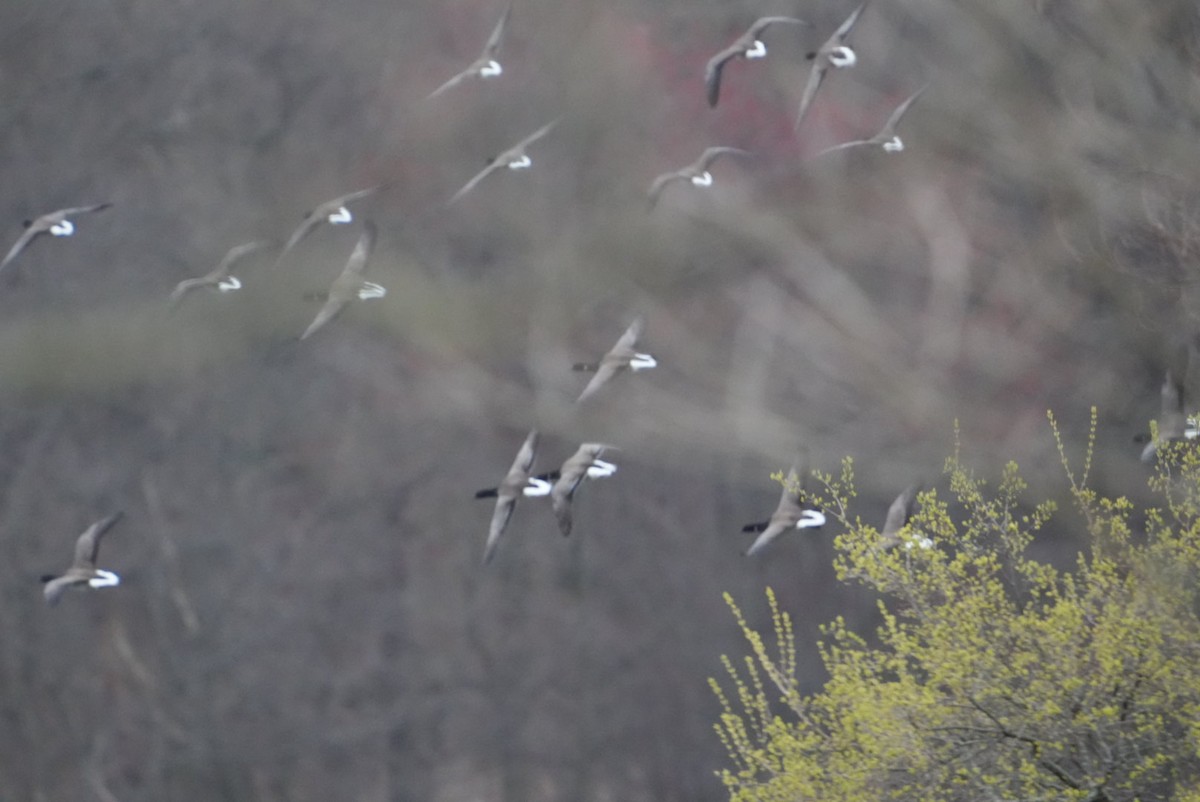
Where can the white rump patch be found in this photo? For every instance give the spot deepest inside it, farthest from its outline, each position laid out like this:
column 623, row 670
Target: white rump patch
column 703, row 180
column 843, row 57
column 642, row 362
column 370, row 289
column 341, row 216
column 599, row 469
column 919, row 542
column 64, row 229
column 757, row 51
column 536, row 487
column 810, row 519
column 894, row 145
column 520, row 164
column 229, row 284
column 104, row 579
column 491, row 70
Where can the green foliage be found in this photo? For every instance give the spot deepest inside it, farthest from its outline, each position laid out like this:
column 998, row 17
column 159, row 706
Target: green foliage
column 995, row 676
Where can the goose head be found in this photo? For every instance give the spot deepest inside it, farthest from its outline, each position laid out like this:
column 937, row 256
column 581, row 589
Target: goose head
column 491, row 69
column 370, row 289
column 703, row 180
column 757, row 50
column 842, row 56
column 894, row 145
column 229, row 284
column 104, row 579
column 521, row 163
column 535, row 487
column 342, row 215
column 642, row 362
column 64, row 229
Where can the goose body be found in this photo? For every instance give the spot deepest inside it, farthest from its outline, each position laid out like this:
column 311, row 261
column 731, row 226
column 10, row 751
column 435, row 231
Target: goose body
column 897, row 518
column 1173, row 423
column 789, row 514
column 83, row 571
column 55, row 223
column 508, row 491
column 349, row 285
column 833, row 54
column 334, row 212
column 621, row 357
column 887, row 138
column 486, row 66
column 748, row 46
column 219, row 277
column 515, row 158
column 697, row 172
column 585, row 463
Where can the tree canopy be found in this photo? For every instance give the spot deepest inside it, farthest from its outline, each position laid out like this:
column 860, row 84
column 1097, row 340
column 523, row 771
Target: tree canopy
column 993, row 676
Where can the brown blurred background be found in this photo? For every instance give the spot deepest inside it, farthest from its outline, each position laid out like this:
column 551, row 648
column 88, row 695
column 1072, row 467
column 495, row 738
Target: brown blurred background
column 303, row 613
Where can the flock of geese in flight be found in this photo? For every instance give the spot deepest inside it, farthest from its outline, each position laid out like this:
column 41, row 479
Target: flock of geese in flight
column 792, row 513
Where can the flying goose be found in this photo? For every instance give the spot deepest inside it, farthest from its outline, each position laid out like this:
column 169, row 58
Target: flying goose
column 886, row 138
column 219, row 277
column 790, row 514
column 747, row 46
column 486, row 65
column 83, row 570
column 56, row 224
column 515, row 158
column 834, row 53
column 335, row 212
column 897, row 518
column 585, row 463
column 349, row 284
column 1173, row 423
column 515, row 484
column 620, row 357
column 696, row 172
